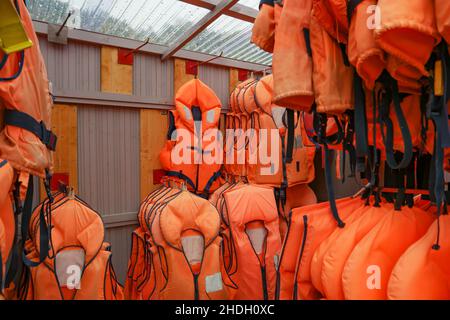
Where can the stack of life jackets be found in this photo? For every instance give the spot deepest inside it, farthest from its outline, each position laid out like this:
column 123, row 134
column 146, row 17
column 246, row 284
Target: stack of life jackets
column 177, row 248
column 251, row 239
column 78, row 265
column 26, row 142
column 268, row 145
column 193, row 151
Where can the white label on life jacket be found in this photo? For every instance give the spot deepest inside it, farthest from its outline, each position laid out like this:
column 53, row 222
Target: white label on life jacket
column 447, row 177
column 214, row 282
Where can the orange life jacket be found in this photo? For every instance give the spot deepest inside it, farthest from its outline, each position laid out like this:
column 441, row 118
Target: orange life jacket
column 195, row 118
column 254, row 239
column 7, row 219
column 308, row 227
column 184, row 235
column 292, row 52
column 26, row 141
column 263, row 32
column 368, row 268
column 408, row 31
column 423, row 271
column 78, row 266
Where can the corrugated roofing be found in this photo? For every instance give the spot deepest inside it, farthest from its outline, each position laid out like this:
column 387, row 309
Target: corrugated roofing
column 163, row 21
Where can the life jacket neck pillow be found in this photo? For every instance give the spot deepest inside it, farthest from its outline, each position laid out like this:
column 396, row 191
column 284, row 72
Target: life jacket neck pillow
column 195, row 101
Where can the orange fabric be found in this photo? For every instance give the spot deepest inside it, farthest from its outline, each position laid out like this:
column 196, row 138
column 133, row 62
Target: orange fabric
column 292, row 66
column 333, row 80
column 422, row 272
column 173, row 272
column 442, row 10
column 245, row 205
column 295, row 263
column 74, row 226
column 408, row 31
column 332, row 16
column 363, row 52
column 338, row 252
column 263, row 32
column 194, row 94
column 29, row 93
column 369, row 266
column 7, row 219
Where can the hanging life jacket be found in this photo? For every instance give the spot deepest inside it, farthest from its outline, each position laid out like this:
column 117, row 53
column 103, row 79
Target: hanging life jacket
column 368, row 268
column 7, row 219
column 193, row 152
column 78, row 265
column 255, row 241
column 26, row 141
column 423, row 272
column 292, row 62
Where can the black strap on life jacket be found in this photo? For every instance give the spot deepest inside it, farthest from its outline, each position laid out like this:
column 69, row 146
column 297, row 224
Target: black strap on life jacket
column 320, row 126
column 214, row 177
column 351, row 7
column 360, row 124
column 43, row 228
column 307, row 36
column 290, row 134
column 348, row 147
column 25, row 121
column 182, row 176
column 387, row 94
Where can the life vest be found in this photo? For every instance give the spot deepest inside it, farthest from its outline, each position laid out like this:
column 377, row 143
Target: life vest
column 78, row 265
column 185, row 234
column 292, row 62
column 337, row 253
column 26, row 141
column 408, row 31
column 142, row 282
column 308, row 227
column 7, row 219
column 423, row 271
column 252, row 219
column 368, row 268
column 263, row 31
column 195, row 118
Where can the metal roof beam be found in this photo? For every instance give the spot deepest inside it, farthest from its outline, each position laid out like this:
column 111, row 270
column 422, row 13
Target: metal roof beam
column 209, row 18
column 238, row 11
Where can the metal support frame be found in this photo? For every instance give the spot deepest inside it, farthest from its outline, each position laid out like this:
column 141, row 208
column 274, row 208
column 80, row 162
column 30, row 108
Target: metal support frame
column 209, row 18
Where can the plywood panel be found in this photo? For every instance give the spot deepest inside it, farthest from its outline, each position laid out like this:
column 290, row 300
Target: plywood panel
column 65, row 158
column 234, row 79
column 180, row 76
column 154, row 126
column 115, row 77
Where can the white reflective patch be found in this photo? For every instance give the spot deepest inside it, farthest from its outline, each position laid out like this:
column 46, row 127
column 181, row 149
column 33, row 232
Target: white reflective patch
column 187, row 113
column 210, row 115
column 447, row 176
column 257, row 237
column 276, row 261
column 214, row 282
column 69, row 267
column 193, row 248
column 277, row 115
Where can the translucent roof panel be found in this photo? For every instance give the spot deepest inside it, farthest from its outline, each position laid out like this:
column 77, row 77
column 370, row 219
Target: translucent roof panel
column 232, row 37
column 163, row 21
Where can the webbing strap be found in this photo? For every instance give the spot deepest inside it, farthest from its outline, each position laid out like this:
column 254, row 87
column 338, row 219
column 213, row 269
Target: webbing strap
column 320, row 126
column 181, row 176
column 307, row 37
column 211, row 180
column 360, row 120
column 391, row 94
column 290, row 135
column 44, row 234
column 27, row 122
